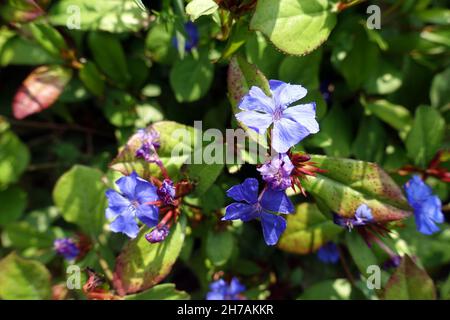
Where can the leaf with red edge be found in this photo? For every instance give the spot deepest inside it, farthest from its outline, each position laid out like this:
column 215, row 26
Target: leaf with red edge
column 23, row 11
column 142, row 265
column 345, row 184
column 409, row 282
column 40, row 90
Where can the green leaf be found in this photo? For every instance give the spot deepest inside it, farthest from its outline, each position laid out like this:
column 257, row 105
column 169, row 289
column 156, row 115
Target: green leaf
column 302, row 70
column 242, row 75
column 445, row 290
column 203, row 175
column 191, row 77
column 24, row 235
column 362, row 255
column 22, row 279
column 109, row 56
column 394, row 115
column 384, row 79
column 432, row 250
column 119, row 108
column 14, row 158
column 142, row 265
column 159, row 43
column 307, row 230
column 435, row 15
column 166, row 291
column 370, row 141
column 336, row 130
column 198, row 8
column 140, row 4
column 14, row 201
column 425, row 137
column 260, row 52
column 114, row 16
column 347, row 183
column 48, row 38
column 409, row 282
column 219, row 247
column 238, row 37
column 92, row 78
column 174, row 137
column 80, row 196
column 21, row 51
column 440, row 90
column 354, row 55
column 294, row 26
column 337, row 289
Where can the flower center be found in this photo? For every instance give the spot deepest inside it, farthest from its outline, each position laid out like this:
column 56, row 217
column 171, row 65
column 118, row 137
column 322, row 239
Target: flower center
column 277, row 114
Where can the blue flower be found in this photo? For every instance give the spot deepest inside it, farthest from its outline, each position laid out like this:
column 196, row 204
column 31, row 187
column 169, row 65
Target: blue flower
column 133, row 202
column 253, row 207
column 277, row 172
column 328, row 253
column 67, row 248
column 166, row 192
column 192, row 37
column 220, row 290
column 290, row 125
column 363, row 216
column 427, row 206
column 157, row 235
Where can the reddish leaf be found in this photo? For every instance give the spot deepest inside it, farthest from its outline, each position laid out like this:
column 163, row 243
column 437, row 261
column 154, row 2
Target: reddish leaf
column 40, row 90
column 23, row 11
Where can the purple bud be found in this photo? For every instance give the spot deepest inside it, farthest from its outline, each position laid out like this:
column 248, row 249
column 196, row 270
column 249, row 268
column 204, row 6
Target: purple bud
column 158, row 234
column 67, row 248
column 166, row 192
column 277, row 172
column 150, row 142
column 392, row 262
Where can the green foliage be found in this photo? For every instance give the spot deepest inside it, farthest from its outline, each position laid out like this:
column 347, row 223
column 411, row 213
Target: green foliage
column 80, row 77
column 346, row 184
column 23, row 279
column 308, row 229
column 293, row 26
column 409, row 282
column 141, row 266
column 79, row 195
column 426, row 135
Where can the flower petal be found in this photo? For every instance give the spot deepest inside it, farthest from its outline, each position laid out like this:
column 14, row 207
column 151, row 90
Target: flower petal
column 305, row 114
column 246, row 191
column 257, row 100
column 235, row 287
column 255, row 120
column 116, row 200
column 285, row 94
column 417, row 191
column 243, row 211
column 127, row 185
column 276, row 201
column 125, row 224
column 145, row 191
column 273, row 226
column 287, row 133
column 148, row 215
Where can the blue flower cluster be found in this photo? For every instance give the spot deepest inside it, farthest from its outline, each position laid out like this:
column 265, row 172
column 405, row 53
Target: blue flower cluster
column 288, row 126
column 427, row 206
column 67, row 248
column 220, row 290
